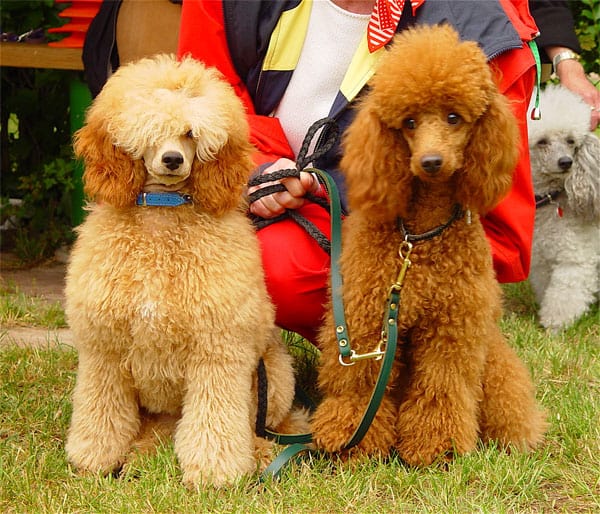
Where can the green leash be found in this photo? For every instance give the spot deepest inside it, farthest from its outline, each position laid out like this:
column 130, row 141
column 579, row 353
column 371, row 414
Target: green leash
column 536, row 113
column 300, row 443
column 386, row 349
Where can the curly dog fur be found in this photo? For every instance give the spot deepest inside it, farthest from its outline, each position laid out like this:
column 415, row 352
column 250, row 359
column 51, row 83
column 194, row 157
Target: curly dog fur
column 168, row 305
column 432, row 132
column 565, row 263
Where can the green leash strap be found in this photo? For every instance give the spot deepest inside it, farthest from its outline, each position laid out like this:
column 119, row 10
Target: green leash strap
column 336, row 286
column 298, row 443
column 536, row 113
column 273, row 470
column 286, row 439
column 384, row 372
column 391, row 331
column 389, row 338
column 341, row 330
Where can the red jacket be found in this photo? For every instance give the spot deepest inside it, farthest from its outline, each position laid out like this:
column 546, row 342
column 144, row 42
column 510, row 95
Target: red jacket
column 234, row 37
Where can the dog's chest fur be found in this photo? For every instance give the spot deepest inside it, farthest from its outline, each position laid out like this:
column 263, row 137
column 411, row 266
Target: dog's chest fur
column 440, row 280
column 559, row 234
column 163, row 284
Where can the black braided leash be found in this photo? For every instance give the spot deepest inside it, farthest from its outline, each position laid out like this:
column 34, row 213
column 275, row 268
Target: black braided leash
column 261, row 414
column 326, row 141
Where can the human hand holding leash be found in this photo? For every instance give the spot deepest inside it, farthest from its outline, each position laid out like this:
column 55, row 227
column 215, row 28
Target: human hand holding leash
column 293, row 197
column 579, row 84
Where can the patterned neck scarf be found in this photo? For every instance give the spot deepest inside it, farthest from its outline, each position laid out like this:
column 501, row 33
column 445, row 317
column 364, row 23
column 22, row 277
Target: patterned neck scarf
column 384, row 21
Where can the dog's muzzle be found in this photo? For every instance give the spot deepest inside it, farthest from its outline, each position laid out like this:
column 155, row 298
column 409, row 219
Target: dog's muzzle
column 172, row 160
column 565, row 163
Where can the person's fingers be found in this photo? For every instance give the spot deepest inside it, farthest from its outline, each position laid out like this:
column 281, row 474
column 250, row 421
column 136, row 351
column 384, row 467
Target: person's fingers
column 294, row 186
column 280, row 164
column 309, row 182
column 266, row 207
column 293, row 198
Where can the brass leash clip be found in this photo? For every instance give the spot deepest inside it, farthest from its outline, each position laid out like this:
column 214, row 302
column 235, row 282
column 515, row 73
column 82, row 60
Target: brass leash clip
column 404, row 252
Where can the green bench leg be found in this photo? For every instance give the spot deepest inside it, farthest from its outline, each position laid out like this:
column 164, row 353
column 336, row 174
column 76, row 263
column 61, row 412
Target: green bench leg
column 79, row 99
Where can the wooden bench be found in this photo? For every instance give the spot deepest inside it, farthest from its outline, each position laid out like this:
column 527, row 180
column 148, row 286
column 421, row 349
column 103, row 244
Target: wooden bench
column 26, row 55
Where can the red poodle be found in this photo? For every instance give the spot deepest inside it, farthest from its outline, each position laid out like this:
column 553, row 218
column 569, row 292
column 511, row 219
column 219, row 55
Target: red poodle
column 432, row 147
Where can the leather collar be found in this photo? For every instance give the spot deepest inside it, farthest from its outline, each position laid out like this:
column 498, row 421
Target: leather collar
column 163, row 199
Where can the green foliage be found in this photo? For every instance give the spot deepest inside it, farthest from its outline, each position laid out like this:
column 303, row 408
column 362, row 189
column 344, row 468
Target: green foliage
column 45, row 212
column 37, row 164
column 19, row 16
column 587, row 27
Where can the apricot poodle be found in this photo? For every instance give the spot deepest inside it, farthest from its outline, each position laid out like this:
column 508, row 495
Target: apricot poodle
column 433, row 146
column 165, row 290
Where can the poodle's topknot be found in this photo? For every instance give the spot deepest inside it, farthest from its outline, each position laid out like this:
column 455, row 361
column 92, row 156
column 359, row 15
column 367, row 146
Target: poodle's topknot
column 557, row 104
column 159, row 96
column 430, row 64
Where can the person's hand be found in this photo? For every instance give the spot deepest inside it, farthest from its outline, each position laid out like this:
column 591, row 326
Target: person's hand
column 572, row 76
column 276, row 203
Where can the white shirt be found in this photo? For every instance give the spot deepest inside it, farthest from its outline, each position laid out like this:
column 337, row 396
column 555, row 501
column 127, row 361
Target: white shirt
column 332, row 37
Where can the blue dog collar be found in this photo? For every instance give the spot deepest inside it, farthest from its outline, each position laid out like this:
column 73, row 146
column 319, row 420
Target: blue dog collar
column 163, row 199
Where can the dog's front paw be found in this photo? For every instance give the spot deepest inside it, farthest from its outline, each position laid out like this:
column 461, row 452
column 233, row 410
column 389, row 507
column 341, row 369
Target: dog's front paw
column 99, row 441
column 554, row 321
column 417, row 452
column 426, row 436
column 558, row 311
column 209, row 461
column 89, row 456
column 223, row 473
column 336, row 420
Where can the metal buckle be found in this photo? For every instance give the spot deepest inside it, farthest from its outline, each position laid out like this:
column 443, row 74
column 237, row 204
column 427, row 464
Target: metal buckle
column 376, row 354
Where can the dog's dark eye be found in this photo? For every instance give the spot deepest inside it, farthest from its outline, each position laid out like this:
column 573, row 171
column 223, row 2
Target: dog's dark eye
column 453, row 118
column 542, row 142
column 570, row 141
column 189, row 134
column 409, row 123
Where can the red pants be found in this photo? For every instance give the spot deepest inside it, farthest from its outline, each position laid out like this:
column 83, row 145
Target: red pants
column 297, row 271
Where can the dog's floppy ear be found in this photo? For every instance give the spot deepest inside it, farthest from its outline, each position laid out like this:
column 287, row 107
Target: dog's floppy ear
column 376, row 167
column 110, row 175
column 490, row 157
column 217, row 185
column 583, row 183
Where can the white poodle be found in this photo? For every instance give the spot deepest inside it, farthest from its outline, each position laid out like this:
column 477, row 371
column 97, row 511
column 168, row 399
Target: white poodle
column 565, row 263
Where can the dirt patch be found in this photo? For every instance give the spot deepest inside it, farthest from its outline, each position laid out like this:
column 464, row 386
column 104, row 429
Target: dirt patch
column 38, row 337
column 45, row 282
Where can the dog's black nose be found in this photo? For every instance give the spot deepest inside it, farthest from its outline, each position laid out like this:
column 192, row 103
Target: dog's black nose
column 172, row 160
column 431, row 163
column 565, row 163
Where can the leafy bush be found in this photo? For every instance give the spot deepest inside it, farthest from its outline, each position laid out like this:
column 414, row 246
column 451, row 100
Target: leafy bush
column 37, row 164
column 43, row 230
column 587, row 27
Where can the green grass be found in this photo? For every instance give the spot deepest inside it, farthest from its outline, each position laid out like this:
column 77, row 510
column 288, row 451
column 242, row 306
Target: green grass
column 17, row 308
column 562, row 476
